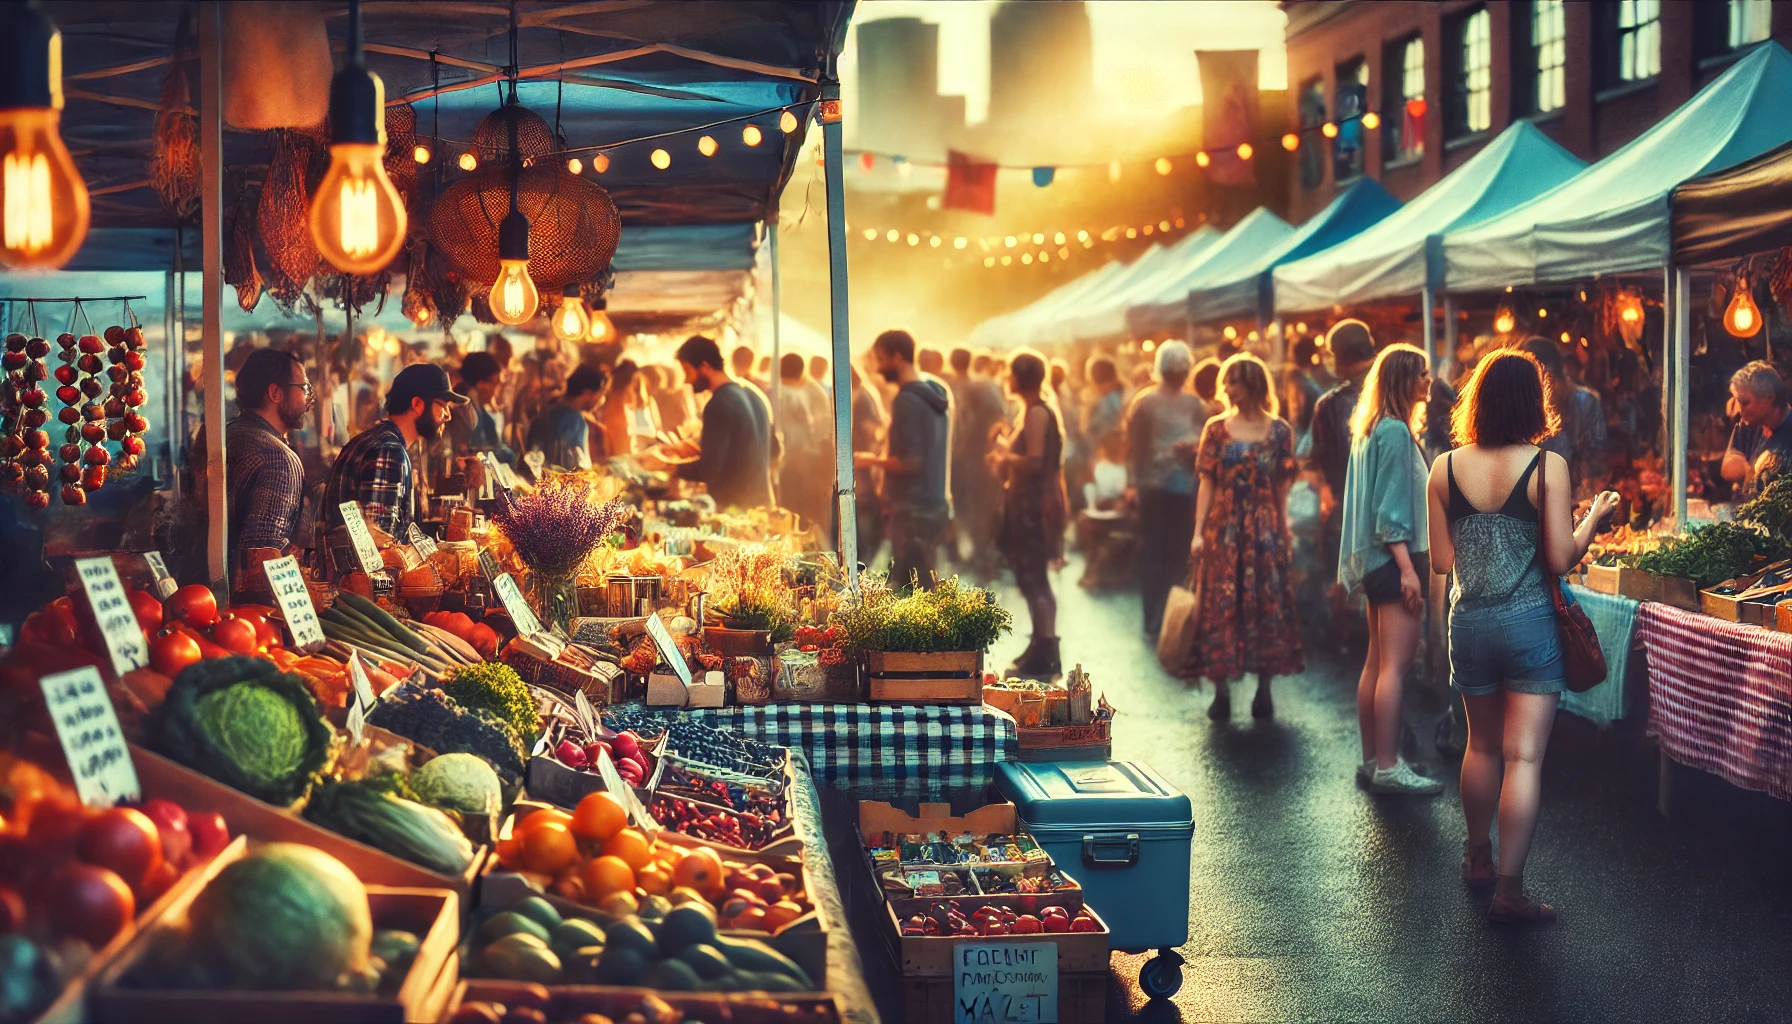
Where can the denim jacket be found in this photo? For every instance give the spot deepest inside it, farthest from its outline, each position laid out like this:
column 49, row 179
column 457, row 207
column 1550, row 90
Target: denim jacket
column 1384, row 502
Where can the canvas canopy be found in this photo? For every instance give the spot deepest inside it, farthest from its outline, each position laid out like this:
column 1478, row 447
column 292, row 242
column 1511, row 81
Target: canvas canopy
column 1023, row 326
column 1613, row 217
column 1166, row 309
column 1390, row 258
column 1246, row 288
column 1734, row 213
column 1104, row 316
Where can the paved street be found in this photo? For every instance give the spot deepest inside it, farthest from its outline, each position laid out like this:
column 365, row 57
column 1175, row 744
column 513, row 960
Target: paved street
column 1311, row 901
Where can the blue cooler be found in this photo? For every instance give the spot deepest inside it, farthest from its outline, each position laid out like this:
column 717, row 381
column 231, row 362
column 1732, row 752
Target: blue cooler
column 1124, row 834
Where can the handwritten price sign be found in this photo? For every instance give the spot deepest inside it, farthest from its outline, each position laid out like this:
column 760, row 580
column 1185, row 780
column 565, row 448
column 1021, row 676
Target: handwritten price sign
column 287, row 582
column 366, row 551
column 520, row 612
column 1005, row 981
column 112, row 611
column 88, row 728
column 425, row 545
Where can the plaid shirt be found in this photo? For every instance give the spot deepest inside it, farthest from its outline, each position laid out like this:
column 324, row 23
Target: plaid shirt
column 375, row 470
column 266, row 484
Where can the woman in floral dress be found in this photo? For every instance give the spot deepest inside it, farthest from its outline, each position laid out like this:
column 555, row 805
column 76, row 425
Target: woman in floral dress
column 1245, row 615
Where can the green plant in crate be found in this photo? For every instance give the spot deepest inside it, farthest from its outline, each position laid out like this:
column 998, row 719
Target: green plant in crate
column 1771, row 510
column 949, row 617
column 1713, row 553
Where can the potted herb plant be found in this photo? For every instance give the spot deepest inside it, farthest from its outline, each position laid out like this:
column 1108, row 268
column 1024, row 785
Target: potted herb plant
column 751, row 606
column 924, row 646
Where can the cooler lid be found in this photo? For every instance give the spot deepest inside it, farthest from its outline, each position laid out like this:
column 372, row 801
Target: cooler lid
column 1091, row 793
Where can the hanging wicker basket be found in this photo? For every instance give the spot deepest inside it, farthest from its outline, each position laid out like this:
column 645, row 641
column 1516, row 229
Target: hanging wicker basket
column 239, row 248
column 283, row 214
column 573, row 224
column 491, row 137
column 174, row 148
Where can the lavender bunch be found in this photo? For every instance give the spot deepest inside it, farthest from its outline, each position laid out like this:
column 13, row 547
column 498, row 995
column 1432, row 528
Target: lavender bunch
column 557, row 526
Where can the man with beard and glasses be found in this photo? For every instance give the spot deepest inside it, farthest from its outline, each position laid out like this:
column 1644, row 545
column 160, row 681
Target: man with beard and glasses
column 265, row 477
column 374, row 468
column 733, row 454
column 917, row 470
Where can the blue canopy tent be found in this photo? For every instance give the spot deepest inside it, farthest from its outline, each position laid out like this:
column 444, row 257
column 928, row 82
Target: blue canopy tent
column 1104, row 317
column 1021, row 327
column 1248, row 289
column 1165, row 311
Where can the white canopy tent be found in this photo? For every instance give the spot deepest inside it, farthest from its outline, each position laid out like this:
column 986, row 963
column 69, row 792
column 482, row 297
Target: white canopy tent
column 1105, row 316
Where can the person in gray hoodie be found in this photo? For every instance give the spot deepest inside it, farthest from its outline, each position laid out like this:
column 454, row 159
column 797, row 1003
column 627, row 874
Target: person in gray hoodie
column 917, row 468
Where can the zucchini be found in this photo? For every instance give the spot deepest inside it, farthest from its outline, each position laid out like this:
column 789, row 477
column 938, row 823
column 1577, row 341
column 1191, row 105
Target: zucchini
column 384, row 620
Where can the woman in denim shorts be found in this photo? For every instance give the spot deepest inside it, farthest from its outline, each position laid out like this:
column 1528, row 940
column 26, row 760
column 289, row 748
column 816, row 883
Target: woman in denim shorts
column 1505, row 645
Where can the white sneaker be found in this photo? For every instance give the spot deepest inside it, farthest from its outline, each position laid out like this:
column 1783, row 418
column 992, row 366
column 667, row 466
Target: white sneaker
column 1402, row 780
column 1365, row 773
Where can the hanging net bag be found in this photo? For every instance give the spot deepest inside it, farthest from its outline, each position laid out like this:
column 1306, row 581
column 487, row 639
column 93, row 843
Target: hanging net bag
column 174, row 147
column 283, row 212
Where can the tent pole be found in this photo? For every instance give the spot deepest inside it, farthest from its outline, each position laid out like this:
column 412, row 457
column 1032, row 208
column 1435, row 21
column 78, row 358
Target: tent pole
column 830, row 115
column 211, row 127
column 1450, row 327
column 1428, row 303
column 1680, row 349
column 170, row 396
column 777, row 375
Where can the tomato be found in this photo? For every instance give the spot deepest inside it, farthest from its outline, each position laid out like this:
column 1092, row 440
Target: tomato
column 171, row 824
column 209, row 832
column 172, row 651
column 58, row 626
column 89, row 903
column 235, row 635
column 266, row 633
column 194, row 605
column 124, row 840
column 160, row 879
column 148, row 609
column 12, row 911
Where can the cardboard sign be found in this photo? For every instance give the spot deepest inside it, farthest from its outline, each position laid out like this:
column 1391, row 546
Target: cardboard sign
column 613, row 782
column 421, row 542
column 164, row 585
column 366, row 551
column 357, row 672
column 287, row 581
column 520, row 613
column 87, row 725
column 112, row 611
column 1005, row 981
column 669, row 652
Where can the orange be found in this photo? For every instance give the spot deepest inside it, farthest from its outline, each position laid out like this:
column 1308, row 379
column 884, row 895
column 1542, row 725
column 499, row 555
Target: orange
column 549, row 848
column 546, row 815
column 606, row 875
column 780, row 914
column 654, row 879
column 510, row 850
column 598, row 817
column 701, row 870
column 633, row 847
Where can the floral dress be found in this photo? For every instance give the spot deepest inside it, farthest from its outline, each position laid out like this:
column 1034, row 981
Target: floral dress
column 1245, row 616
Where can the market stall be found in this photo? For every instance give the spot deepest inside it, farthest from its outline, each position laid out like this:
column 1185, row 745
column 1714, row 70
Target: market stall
column 1104, row 317
column 1165, row 311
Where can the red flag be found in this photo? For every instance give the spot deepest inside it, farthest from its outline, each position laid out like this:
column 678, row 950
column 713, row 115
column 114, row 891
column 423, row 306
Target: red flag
column 970, row 184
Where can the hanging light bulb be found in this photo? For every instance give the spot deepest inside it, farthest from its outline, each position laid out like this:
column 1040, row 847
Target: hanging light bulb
column 1329, row 130
column 661, row 159
column 1542, row 314
column 1163, row 165
column 960, row 242
column 513, row 297
column 787, row 122
column 357, row 216
column 1371, row 120
column 1290, row 142
column 468, row 160
column 420, row 154
column 1504, row 321
column 1632, row 311
column 751, row 135
column 1742, row 318
column 1230, row 332
column 575, row 165
column 571, row 323
column 1245, row 151
column 707, row 145
column 870, row 234
column 602, row 330
column 600, row 163
column 43, row 201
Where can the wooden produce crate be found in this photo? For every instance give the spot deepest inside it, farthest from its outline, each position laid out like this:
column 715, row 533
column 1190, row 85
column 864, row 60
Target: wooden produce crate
column 1782, row 617
column 927, row 964
column 1021, row 903
column 1757, row 609
column 197, row 791
column 555, row 783
column 1092, row 742
column 1082, row 998
column 568, row 1002
column 945, row 677
column 1623, row 581
column 1677, row 592
column 433, row 915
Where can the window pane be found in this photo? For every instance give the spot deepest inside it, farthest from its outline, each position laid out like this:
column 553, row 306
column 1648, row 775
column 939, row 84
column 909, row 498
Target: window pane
column 1477, row 71
column 1312, row 115
column 1639, row 39
column 1750, row 21
column 1549, row 51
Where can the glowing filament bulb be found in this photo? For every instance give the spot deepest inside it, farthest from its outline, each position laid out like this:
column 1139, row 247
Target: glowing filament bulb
column 1742, row 317
column 661, row 159
column 600, row 163
column 570, row 321
column 468, row 161
column 513, row 297
column 358, row 218
column 602, row 329
column 960, row 242
column 420, row 154
column 45, row 211
column 1504, row 321
column 1202, row 159
column 1329, row 130
column 787, row 122
column 1245, row 151
column 870, row 234
column 706, row 145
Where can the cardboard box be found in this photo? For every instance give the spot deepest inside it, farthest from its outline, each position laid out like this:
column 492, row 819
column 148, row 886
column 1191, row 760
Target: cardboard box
column 707, row 691
column 665, row 690
column 569, row 1002
column 876, row 816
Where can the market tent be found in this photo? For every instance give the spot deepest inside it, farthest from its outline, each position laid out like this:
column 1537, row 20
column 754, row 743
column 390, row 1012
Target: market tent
column 1726, row 216
column 1247, row 289
column 1104, row 315
column 1012, row 330
column 1165, row 311
column 1613, row 217
column 1391, row 258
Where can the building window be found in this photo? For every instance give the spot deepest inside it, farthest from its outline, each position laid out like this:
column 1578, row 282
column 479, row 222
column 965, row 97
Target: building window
column 1471, row 92
column 1312, row 115
column 1549, row 55
column 1724, row 28
column 1635, row 42
column 1403, row 101
column 1348, row 105
column 1750, row 22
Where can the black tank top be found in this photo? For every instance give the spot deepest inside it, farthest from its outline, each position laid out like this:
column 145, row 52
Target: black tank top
column 1518, row 503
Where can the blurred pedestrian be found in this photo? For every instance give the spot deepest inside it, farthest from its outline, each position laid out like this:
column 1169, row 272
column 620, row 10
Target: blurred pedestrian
column 1245, row 616
column 1505, row 642
column 917, row 466
column 474, row 429
column 976, row 408
column 868, row 423
column 930, row 361
column 1206, row 384
column 1030, row 463
column 1162, row 429
column 1581, row 441
column 1107, row 401
column 630, row 419
column 1352, row 350
column 1384, row 541
column 562, row 431
column 805, row 477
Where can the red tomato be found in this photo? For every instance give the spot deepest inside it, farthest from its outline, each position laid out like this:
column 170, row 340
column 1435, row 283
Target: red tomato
column 172, row 651
column 59, row 626
column 171, row 825
column 235, row 635
column 209, row 832
column 266, row 633
column 148, row 609
column 160, row 879
column 89, row 903
column 195, row 605
column 124, row 840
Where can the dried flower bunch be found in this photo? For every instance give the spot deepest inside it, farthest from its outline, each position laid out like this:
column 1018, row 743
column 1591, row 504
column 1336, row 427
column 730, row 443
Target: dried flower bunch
column 555, row 527
column 950, row 617
column 749, row 589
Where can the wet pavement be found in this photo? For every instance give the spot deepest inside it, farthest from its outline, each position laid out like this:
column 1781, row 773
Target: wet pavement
column 1310, row 900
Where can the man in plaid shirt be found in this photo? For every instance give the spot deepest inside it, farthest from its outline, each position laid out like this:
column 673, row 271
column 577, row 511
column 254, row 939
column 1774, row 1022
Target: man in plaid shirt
column 266, row 481
column 374, row 469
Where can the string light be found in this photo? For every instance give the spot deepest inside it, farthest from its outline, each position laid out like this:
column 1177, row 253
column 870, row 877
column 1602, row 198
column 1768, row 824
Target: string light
column 570, row 323
column 1038, row 237
column 661, row 159
column 357, row 217
column 1542, row 314
column 1132, row 232
column 751, row 135
column 1026, row 258
column 1007, row 260
column 989, row 261
column 1504, row 321
column 1290, row 142
column 1114, row 171
column 1230, row 332
column 468, row 161
column 1329, row 130
column 1372, row 121
column 1147, row 230
column 575, row 165
column 1564, row 337
column 706, row 145
column 1011, row 241
column 600, row 163
column 1163, row 225
column 960, row 242
column 787, row 122
column 914, row 239
column 1064, row 252
column 1058, row 239
column 1245, row 151
column 1082, row 236
column 1202, row 159
column 893, row 235
column 1044, row 257
column 934, row 241
column 1163, row 165
column 870, row 234
column 420, row 154
column 1301, row 327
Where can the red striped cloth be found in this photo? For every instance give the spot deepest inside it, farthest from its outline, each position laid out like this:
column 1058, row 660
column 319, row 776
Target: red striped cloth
column 1720, row 696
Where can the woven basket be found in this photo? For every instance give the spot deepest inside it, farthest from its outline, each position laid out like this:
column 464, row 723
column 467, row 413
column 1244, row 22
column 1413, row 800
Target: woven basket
column 573, row 224
column 491, row 137
column 283, row 215
column 174, row 148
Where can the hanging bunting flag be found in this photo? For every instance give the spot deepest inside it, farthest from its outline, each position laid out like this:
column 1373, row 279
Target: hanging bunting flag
column 1230, row 115
column 866, row 160
column 1042, row 176
column 970, row 184
column 903, row 167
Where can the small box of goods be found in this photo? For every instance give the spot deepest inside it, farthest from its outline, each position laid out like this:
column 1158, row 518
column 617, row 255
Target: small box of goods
column 482, row 1000
column 1054, row 721
column 1750, row 599
column 1127, row 832
column 567, row 763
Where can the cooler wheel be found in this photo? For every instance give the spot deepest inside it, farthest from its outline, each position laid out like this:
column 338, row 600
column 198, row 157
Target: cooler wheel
column 1161, row 976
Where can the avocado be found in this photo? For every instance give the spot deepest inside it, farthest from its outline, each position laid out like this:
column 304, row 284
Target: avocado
column 575, row 933
column 509, row 922
column 772, row 981
column 706, row 960
column 582, row 965
column 521, row 957
column 670, row 976
column 629, row 933
column 654, row 908
column 686, row 926
column 396, row 948
column 730, row 982
column 749, row 955
column 620, row 966
column 538, row 910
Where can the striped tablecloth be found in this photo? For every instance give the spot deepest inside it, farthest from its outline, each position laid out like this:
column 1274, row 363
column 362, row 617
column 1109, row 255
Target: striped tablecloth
column 1720, row 696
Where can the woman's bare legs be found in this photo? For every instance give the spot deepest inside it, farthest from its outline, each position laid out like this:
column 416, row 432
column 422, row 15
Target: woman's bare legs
column 1528, row 721
column 1397, row 639
column 1365, row 689
column 1481, row 773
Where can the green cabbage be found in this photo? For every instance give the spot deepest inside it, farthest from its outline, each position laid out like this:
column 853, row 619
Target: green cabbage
column 495, row 687
column 458, row 782
column 247, row 724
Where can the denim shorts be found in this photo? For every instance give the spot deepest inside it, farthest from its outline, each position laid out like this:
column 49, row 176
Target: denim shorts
column 1517, row 649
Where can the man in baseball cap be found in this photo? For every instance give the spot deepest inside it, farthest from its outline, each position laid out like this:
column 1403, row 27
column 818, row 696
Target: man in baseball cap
column 374, row 468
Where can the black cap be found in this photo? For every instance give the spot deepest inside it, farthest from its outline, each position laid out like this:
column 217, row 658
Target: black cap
column 423, row 380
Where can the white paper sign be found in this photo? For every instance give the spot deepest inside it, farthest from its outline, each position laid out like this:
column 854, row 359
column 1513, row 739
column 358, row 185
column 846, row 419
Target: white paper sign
column 357, row 672
column 88, row 727
column 357, row 723
column 520, row 613
column 287, row 581
column 366, row 551
column 613, row 782
column 669, row 652
column 164, row 585
column 581, row 704
column 1005, row 981
column 112, row 611
column 424, row 544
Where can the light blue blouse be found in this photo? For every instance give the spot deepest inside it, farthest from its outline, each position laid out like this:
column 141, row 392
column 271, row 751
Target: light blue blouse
column 1384, row 502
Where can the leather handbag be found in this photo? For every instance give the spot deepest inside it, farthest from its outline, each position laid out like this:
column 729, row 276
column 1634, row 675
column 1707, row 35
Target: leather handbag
column 1583, row 661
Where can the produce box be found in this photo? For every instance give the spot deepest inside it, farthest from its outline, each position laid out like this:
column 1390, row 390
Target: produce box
column 945, row 677
column 565, row 1004
column 1623, row 581
column 556, row 783
column 1749, row 599
column 1082, row 998
column 197, row 791
column 876, row 816
column 1092, row 742
column 933, row 956
column 431, row 914
column 1677, row 592
column 1782, row 617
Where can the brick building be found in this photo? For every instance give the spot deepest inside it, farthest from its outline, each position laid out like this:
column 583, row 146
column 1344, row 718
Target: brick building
column 1445, row 77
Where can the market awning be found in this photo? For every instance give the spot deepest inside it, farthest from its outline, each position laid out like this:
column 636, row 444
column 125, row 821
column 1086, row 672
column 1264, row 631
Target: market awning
column 1390, row 258
column 1613, row 217
column 1729, row 215
column 1104, row 314
column 1012, row 330
column 1166, row 310
column 1246, row 289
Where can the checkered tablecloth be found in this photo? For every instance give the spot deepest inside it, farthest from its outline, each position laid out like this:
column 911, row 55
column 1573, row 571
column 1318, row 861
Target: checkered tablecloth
column 1720, row 696
column 951, row 744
